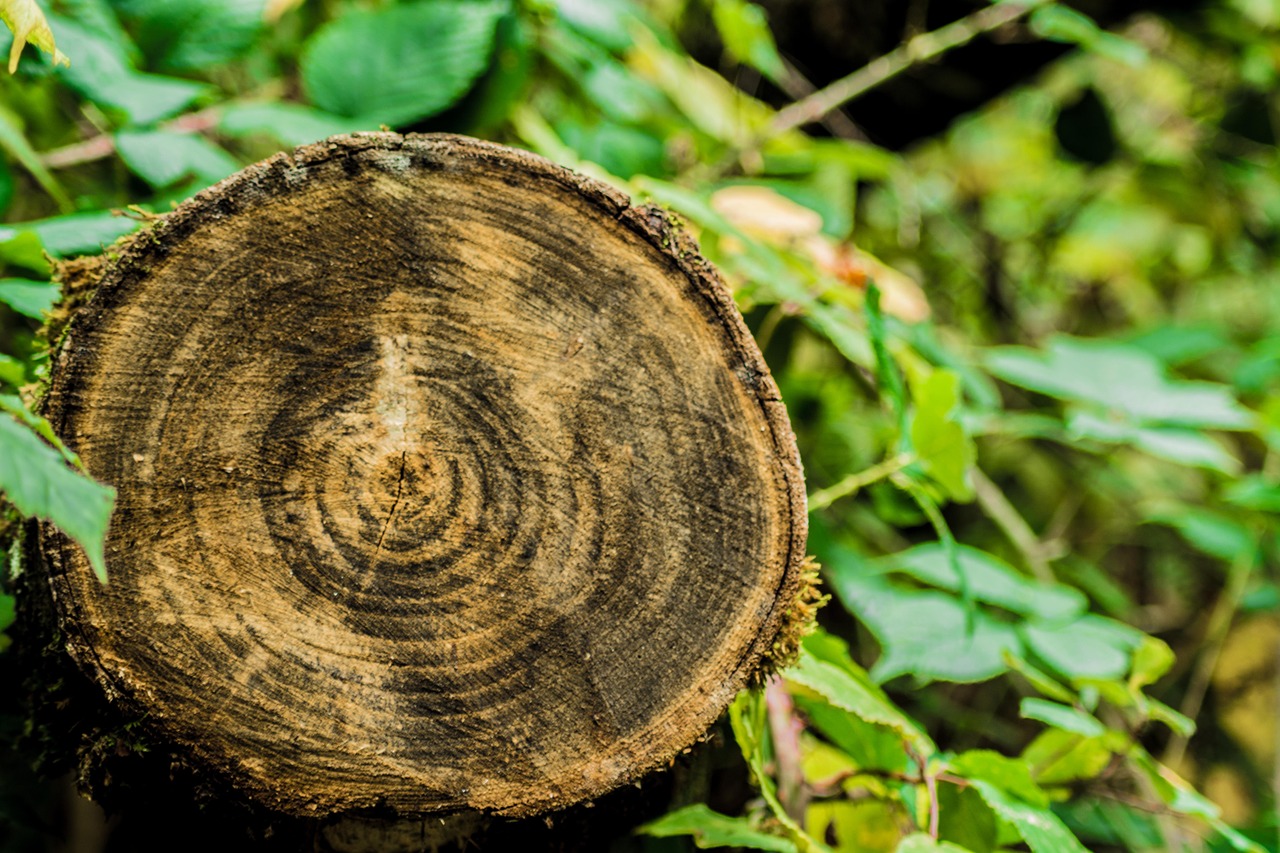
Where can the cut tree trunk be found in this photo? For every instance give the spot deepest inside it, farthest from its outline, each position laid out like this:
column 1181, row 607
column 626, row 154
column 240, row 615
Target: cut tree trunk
column 447, row 480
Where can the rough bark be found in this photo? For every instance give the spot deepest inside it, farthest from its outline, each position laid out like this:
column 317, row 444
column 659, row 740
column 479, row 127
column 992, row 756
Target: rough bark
column 447, row 480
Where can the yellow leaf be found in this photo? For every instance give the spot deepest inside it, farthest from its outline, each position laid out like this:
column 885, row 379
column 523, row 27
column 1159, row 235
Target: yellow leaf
column 29, row 25
column 275, row 9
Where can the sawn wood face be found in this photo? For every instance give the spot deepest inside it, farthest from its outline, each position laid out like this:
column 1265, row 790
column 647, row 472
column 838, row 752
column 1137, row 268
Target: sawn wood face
column 446, row 479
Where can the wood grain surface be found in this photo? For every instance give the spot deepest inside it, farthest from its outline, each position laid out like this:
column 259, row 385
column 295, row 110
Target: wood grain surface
column 447, row 479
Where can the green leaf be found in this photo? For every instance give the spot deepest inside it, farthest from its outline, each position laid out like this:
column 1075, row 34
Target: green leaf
column 399, row 64
column 858, row 696
column 28, row 24
column 1176, row 444
column 711, row 830
column 12, row 371
column 103, row 74
column 1043, row 831
column 15, row 407
column 930, row 635
column 24, row 249
column 964, row 819
column 32, row 298
column 8, row 612
column 1062, row 717
column 745, row 32
column 1091, row 647
column 291, row 124
column 1180, row 723
column 1058, row 757
column 35, row 479
column 943, row 447
column 1008, row 774
column 1118, row 378
column 990, row 579
column 1213, row 533
column 1254, row 491
column 73, row 234
column 164, row 157
column 187, row 35
column 1151, row 660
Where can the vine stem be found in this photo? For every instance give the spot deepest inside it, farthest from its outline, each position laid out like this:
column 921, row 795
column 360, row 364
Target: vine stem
column 919, row 49
column 859, row 480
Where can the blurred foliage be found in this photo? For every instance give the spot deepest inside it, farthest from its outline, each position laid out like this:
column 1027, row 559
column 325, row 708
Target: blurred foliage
column 1033, row 365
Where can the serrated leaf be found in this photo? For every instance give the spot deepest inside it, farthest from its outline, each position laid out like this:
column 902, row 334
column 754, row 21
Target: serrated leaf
column 1062, row 717
column 711, row 829
column 399, row 64
column 28, row 24
column 1040, row 828
column 944, row 449
column 744, row 29
column 1118, row 378
column 858, row 696
column 292, row 124
column 35, row 478
column 31, row 298
column 164, row 157
column 930, row 635
column 990, row 579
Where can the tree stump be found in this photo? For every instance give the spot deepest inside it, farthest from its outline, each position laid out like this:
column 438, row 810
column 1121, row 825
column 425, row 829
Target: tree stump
column 447, row 480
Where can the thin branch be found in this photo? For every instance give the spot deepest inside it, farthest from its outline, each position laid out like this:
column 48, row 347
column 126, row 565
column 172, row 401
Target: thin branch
column 797, row 86
column 1006, row 516
column 859, row 480
column 103, row 145
column 920, row 49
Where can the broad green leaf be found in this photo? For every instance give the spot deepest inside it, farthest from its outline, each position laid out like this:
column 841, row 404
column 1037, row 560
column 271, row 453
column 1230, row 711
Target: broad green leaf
column 944, row 449
column 24, row 249
column 1184, row 446
column 1151, row 660
column 189, row 35
column 862, row 825
column 102, row 73
column 1180, row 723
column 398, row 64
column 711, row 830
column 1091, row 647
column 964, row 818
column 35, row 478
column 868, row 745
column 15, row 407
column 929, row 635
column 164, row 157
column 1118, row 378
column 1043, row 831
column 1012, row 775
column 28, row 24
column 292, row 124
column 12, row 371
column 922, row 842
column 1058, row 757
column 856, row 695
column 990, row 579
column 32, row 298
column 746, row 35
column 73, row 234
column 606, row 22
column 1213, row 533
column 1062, row 717
column 1254, row 491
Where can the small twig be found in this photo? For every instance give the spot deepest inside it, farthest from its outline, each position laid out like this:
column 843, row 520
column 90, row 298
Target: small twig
column 785, row 726
column 1006, row 516
column 930, row 786
column 859, row 480
column 797, row 86
column 922, row 48
column 103, row 145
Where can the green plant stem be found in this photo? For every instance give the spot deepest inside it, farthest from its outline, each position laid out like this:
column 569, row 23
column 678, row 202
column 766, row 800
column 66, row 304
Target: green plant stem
column 922, row 48
column 1220, row 620
column 859, row 480
column 998, row 508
